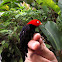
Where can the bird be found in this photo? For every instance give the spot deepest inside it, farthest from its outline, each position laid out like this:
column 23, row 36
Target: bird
column 26, row 35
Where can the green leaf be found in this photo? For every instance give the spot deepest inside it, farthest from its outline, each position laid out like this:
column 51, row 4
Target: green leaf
column 50, row 3
column 53, row 34
column 1, row 13
column 20, row 60
column 60, row 5
column 15, row 28
column 5, row 32
column 47, row 45
column 59, row 23
column 3, row 42
column 1, row 48
column 21, row 7
column 5, row 45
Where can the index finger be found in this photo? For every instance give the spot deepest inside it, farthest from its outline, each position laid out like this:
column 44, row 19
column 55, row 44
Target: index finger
column 37, row 37
column 34, row 44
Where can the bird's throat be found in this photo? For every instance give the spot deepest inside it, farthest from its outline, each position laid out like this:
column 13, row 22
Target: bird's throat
column 32, row 26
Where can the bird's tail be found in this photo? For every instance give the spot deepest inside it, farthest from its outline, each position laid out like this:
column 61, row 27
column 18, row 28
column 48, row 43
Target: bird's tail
column 23, row 54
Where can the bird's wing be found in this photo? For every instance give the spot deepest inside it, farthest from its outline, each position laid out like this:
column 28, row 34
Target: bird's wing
column 25, row 32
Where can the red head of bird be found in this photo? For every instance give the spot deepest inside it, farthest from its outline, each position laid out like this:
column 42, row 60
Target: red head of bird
column 35, row 22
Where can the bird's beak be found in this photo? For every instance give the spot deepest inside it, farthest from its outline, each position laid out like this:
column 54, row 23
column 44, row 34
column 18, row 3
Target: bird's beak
column 40, row 23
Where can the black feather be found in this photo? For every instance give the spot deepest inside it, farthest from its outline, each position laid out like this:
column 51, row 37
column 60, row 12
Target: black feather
column 25, row 36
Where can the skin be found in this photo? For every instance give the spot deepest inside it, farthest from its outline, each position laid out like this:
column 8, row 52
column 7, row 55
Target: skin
column 38, row 52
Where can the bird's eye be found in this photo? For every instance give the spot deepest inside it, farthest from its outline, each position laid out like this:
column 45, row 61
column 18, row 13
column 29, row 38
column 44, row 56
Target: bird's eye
column 37, row 21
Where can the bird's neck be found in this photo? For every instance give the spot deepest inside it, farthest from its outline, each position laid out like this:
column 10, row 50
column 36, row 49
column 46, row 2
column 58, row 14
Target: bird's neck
column 32, row 26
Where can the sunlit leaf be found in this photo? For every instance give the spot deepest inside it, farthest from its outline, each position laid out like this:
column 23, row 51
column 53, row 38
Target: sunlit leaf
column 50, row 3
column 3, row 42
column 6, row 7
column 6, row 31
column 1, row 13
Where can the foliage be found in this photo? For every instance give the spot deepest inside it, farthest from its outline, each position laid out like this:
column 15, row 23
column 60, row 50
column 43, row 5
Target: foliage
column 51, row 31
column 15, row 14
column 60, row 5
column 50, row 3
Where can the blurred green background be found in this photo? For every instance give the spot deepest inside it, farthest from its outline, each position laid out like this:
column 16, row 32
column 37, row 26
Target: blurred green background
column 14, row 14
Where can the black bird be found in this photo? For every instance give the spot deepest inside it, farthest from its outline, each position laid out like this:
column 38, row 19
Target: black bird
column 26, row 35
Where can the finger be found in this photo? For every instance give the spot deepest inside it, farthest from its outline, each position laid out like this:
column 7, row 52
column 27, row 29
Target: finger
column 37, row 58
column 34, row 45
column 31, row 57
column 37, row 37
column 45, row 52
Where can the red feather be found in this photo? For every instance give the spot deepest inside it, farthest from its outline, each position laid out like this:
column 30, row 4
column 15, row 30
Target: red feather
column 34, row 22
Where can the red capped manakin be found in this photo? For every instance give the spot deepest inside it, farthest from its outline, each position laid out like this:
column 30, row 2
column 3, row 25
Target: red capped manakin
column 26, row 35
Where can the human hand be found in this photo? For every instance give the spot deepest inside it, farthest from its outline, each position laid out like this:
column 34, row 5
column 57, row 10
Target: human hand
column 38, row 52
